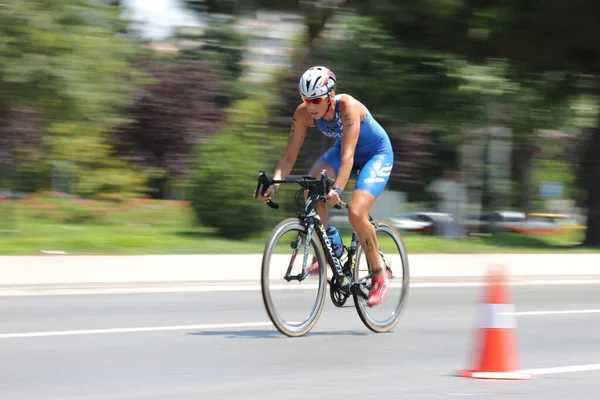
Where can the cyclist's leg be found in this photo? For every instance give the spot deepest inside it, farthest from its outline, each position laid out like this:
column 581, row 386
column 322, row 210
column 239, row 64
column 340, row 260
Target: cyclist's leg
column 371, row 181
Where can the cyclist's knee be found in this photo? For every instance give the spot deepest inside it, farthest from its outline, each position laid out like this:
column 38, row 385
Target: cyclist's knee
column 361, row 203
column 316, row 169
column 355, row 214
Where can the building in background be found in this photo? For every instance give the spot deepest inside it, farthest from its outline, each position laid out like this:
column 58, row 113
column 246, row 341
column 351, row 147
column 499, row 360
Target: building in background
column 269, row 35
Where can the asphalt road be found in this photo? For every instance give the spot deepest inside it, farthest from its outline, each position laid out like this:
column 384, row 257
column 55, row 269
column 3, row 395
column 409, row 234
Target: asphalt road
column 219, row 345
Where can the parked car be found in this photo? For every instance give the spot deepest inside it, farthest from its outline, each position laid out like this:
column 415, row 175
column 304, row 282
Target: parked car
column 502, row 220
column 527, row 224
column 552, row 223
column 420, row 222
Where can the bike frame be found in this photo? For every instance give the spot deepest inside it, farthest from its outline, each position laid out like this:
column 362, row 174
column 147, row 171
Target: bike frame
column 314, row 224
column 317, row 188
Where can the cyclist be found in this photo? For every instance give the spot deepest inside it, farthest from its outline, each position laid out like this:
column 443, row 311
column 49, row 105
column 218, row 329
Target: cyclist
column 361, row 144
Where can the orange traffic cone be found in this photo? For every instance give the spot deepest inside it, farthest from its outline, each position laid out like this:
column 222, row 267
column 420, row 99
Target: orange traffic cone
column 496, row 353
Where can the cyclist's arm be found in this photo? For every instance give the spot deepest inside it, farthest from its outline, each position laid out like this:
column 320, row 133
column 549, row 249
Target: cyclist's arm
column 350, row 110
column 300, row 122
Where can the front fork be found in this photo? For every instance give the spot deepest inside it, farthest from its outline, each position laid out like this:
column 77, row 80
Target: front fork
column 295, row 245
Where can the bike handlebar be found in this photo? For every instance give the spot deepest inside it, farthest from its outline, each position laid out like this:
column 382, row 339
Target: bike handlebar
column 306, row 181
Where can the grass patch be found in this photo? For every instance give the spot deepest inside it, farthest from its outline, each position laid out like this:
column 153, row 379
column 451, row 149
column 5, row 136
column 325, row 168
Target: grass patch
column 162, row 227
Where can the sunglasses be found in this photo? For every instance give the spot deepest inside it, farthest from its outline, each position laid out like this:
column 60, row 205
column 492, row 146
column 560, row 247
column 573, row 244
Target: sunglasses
column 317, row 100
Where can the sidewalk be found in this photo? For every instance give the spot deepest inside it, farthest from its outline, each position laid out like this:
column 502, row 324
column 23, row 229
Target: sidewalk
column 68, row 269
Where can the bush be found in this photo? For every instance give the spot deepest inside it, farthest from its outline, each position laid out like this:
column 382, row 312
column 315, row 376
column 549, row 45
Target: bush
column 226, row 173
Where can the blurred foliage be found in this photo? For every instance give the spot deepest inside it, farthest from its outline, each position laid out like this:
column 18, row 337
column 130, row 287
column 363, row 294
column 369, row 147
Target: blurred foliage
column 109, row 209
column 399, row 86
column 226, row 172
column 63, row 61
column 173, row 111
column 516, row 30
column 553, row 38
column 316, row 13
column 223, row 48
column 224, row 45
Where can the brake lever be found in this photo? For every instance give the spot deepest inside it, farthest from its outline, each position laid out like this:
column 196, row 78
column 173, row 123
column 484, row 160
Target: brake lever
column 265, row 182
column 341, row 205
column 261, row 174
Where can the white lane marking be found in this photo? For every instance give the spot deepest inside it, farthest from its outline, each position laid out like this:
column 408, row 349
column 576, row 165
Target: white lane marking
column 255, row 324
column 234, row 287
column 527, row 313
column 538, row 371
column 560, row 370
column 127, row 330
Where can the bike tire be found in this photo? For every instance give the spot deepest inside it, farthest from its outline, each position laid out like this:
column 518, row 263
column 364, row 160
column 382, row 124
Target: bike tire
column 287, row 329
column 361, row 308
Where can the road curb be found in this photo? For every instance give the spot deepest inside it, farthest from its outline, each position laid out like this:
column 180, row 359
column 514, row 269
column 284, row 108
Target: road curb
column 74, row 269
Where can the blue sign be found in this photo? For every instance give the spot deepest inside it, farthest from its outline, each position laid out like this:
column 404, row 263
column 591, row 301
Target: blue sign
column 551, row 189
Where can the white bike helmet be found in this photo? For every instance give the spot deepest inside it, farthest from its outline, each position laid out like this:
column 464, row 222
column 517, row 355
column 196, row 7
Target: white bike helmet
column 316, row 82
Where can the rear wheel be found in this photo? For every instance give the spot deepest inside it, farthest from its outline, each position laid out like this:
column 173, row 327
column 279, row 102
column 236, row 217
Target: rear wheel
column 383, row 317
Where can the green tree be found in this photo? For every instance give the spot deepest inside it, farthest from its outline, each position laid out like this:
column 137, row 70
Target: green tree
column 222, row 47
column 316, row 13
column 524, row 105
column 173, row 112
column 553, row 36
column 65, row 60
column 226, row 172
column 376, row 68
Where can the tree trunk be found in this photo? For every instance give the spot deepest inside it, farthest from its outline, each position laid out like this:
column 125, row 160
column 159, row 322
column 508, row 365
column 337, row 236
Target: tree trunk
column 488, row 197
column 522, row 162
column 592, row 234
column 590, row 180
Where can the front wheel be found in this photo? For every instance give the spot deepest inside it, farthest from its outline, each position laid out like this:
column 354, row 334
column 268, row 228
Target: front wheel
column 284, row 256
column 393, row 254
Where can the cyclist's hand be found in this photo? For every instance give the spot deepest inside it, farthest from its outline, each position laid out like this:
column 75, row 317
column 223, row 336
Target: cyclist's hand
column 269, row 194
column 332, row 198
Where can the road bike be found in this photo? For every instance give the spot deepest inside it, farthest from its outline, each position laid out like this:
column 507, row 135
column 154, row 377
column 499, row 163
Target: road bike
column 345, row 281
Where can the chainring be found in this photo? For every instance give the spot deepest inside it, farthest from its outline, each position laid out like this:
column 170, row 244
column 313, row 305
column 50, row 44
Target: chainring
column 338, row 298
